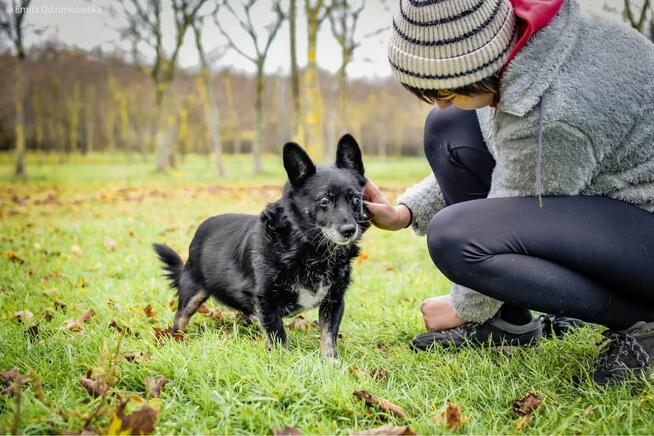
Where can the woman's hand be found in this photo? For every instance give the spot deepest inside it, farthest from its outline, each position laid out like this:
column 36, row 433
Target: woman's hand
column 384, row 215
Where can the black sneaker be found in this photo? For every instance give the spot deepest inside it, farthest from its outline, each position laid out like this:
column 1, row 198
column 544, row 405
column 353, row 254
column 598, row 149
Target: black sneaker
column 495, row 332
column 557, row 326
column 627, row 352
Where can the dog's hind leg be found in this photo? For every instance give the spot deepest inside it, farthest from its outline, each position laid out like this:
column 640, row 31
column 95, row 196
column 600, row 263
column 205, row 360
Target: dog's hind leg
column 191, row 296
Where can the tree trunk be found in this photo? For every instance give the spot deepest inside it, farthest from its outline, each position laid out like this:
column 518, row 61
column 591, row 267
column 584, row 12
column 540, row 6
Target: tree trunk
column 314, row 114
column 258, row 108
column 74, row 107
column 161, row 150
column 298, row 121
column 20, row 118
column 89, row 121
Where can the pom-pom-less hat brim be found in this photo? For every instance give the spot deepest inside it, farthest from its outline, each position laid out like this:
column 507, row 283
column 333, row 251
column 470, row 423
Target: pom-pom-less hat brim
column 446, row 44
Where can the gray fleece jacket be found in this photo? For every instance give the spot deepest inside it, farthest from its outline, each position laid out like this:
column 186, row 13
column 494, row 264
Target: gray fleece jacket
column 591, row 83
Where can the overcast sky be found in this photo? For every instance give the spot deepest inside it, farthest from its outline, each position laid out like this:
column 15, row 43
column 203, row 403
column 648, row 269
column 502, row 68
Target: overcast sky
column 91, row 24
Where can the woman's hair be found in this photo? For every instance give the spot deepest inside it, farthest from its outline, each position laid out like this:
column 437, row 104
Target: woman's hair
column 429, row 96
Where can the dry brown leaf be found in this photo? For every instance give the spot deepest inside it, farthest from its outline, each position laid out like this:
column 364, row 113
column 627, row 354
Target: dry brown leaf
column 13, row 257
column 76, row 249
column 389, row 430
column 23, row 315
column 149, row 311
column 523, row 422
column 48, row 315
column 33, row 331
column 94, row 386
column 202, row 309
column 13, row 380
column 134, row 356
column 76, row 324
column 527, row 404
column 59, row 305
column 358, row 372
column 160, row 333
column 110, row 244
column 300, row 323
column 173, row 304
column 153, row 386
column 141, row 421
column 363, row 256
column 383, row 404
column 120, row 327
column 451, row 417
column 287, row 431
column 379, row 373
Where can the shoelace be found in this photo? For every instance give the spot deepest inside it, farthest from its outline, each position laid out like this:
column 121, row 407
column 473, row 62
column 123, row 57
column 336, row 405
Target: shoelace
column 466, row 330
column 619, row 345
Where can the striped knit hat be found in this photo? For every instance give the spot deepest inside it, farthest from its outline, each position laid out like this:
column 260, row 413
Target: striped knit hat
column 446, row 44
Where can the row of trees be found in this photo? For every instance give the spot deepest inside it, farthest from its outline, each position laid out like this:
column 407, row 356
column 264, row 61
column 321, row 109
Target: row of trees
column 144, row 29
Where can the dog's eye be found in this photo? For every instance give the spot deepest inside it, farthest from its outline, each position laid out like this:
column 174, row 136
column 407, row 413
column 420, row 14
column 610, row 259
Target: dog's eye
column 324, row 202
column 355, row 201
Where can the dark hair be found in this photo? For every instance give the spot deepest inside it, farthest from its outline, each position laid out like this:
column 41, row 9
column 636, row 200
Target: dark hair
column 429, row 96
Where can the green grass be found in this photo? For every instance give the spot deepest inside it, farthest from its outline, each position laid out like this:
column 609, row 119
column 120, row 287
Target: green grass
column 222, row 379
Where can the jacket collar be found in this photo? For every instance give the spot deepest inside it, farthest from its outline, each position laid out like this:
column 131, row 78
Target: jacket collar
column 536, row 65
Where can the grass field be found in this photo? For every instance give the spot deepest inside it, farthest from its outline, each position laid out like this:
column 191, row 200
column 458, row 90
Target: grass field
column 76, row 236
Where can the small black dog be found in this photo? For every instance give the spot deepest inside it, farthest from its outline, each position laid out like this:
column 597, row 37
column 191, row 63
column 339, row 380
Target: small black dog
column 292, row 257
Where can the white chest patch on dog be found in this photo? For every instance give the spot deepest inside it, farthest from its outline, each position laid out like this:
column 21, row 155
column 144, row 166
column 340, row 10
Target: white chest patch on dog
column 307, row 299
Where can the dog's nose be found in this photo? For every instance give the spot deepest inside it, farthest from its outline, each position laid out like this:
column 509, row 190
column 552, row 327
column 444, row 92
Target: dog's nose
column 347, row 230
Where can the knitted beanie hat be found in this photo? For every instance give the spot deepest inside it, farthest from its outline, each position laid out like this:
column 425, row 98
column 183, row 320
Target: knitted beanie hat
column 446, row 44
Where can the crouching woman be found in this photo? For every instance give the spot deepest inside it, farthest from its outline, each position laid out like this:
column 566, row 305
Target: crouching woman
column 541, row 194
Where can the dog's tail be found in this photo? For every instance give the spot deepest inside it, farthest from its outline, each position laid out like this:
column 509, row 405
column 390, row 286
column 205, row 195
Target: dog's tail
column 173, row 264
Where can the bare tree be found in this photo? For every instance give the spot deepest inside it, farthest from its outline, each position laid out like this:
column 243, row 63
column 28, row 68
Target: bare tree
column 343, row 19
column 12, row 25
column 211, row 108
column 144, row 18
column 316, row 11
column 257, row 56
column 298, row 121
column 636, row 23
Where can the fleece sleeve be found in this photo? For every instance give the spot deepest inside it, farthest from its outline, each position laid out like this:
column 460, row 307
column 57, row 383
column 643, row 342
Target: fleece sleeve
column 424, row 199
column 568, row 163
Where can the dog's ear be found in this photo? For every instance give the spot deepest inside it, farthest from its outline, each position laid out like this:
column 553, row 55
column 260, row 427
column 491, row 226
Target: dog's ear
column 297, row 163
column 348, row 154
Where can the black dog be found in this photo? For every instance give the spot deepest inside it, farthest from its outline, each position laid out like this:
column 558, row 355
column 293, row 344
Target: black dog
column 294, row 256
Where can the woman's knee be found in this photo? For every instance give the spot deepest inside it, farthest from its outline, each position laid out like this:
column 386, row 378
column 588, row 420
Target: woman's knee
column 449, row 232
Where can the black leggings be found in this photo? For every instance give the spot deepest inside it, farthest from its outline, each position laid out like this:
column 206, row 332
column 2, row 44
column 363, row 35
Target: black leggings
column 580, row 256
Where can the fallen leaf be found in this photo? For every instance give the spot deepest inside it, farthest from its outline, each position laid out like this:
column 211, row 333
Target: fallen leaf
column 48, row 315
column 173, row 304
column 160, row 333
column 527, row 404
column 13, row 380
column 202, row 309
column 134, row 356
column 141, row 421
column 358, row 372
column 300, row 323
column 383, row 404
column 452, row 417
column 110, row 244
column 149, row 311
column 389, row 430
column 59, row 305
column 76, row 249
column 379, row 374
column 75, row 325
column 94, row 386
column 121, row 328
column 13, row 257
column 33, row 331
column 287, row 431
column 153, row 386
column 523, row 422
column 362, row 257
column 23, row 315
column 382, row 346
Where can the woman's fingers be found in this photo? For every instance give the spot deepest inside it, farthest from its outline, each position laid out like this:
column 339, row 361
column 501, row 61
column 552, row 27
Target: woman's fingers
column 372, row 193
